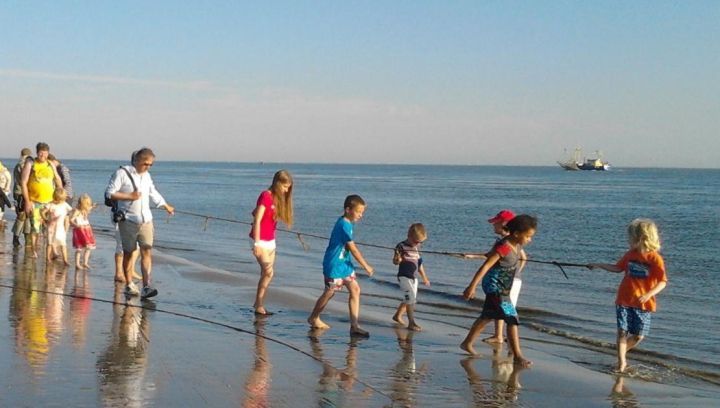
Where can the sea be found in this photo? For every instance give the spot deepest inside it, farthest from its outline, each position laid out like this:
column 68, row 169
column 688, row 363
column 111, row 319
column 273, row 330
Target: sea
column 582, row 216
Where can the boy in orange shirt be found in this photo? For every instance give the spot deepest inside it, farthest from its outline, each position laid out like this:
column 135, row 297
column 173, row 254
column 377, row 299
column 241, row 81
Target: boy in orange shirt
column 644, row 278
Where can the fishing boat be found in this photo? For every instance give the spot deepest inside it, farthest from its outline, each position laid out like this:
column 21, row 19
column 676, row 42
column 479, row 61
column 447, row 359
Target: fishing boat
column 575, row 163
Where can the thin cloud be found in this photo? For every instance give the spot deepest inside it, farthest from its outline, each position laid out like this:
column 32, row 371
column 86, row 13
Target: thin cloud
column 101, row 79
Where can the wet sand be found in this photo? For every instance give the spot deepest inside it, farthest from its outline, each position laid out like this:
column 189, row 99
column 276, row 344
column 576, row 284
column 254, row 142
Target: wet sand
column 199, row 344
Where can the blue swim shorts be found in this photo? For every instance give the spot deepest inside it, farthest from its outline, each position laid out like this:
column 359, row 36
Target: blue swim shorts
column 633, row 320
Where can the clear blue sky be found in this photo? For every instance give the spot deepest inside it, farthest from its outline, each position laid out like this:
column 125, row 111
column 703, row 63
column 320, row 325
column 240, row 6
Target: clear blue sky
column 457, row 82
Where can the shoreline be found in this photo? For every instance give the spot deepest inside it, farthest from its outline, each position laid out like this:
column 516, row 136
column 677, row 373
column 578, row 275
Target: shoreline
column 118, row 353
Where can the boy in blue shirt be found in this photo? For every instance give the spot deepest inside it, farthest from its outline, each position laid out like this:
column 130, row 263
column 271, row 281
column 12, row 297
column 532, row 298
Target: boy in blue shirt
column 338, row 268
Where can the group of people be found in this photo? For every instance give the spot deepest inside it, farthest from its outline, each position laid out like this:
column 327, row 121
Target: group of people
column 499, row 275
column 42, row 195
column 42, row 200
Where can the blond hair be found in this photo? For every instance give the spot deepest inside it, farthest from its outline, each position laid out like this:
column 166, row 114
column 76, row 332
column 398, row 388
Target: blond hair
column 283, row 201
column 59, row 195
column 643, row 235
column 84, row 204
column 417, row 232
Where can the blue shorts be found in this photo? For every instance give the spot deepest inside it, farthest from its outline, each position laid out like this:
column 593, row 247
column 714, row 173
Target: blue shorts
column 633, row 320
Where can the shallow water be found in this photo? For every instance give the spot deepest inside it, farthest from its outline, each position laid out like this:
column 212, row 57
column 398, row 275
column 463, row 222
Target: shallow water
column 582, row 219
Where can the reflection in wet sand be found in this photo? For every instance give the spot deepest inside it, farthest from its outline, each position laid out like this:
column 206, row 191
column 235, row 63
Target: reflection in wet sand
column 80, row 306
column 35, row 316
column 257, row 384
column 123, row 364
column 334, row 386
column 504, row 386
column 405, row 376
column 621, row 396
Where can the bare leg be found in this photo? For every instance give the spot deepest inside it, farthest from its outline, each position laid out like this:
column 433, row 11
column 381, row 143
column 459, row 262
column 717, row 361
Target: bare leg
column 475, row 331
column 625, row 343
column 87, row 258
column 398, row 316
column 514, row 340
column 266, row 261
column 78, row 265
column 314, row 319
column 411, row 318
column 498, row 337
column 354, row 308
column 145, row 265
column 127, row 266
column 63, row 251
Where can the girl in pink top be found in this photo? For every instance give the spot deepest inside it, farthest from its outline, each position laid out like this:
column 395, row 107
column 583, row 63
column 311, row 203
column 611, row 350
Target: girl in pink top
column 273, row 204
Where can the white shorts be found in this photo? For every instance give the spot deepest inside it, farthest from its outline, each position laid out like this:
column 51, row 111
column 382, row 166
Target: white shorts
column 515, row 291
column 409, row 288
column 266, row 245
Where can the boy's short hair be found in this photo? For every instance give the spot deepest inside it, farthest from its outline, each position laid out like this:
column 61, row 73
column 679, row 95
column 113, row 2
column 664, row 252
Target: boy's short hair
column 417, row 232
column 42, row 147
column 352, row 201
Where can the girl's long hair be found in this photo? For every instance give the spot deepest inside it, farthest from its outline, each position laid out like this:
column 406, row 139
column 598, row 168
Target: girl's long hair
column 283, row 202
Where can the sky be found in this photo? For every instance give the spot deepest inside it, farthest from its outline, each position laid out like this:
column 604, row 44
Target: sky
column 409, row 82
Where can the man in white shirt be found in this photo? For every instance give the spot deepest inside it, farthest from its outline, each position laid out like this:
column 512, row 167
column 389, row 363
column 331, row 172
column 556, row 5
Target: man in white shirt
column 136, row 229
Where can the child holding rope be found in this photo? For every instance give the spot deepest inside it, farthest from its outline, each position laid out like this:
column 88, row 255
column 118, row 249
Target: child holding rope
column 272, row 204
column 644, row 277
column 496, row 274
column 407, row 257
column 338, row 268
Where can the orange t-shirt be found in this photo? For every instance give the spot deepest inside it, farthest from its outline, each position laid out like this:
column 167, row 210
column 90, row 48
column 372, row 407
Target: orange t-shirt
column 643, row 271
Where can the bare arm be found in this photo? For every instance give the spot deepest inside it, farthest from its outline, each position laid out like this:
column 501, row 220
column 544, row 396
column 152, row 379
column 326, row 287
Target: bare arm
column 358, row 256
column 397, row 257
column 492, row 258
column 652, row 292
column 423, row 275
column 607, row 267
column 25, row 177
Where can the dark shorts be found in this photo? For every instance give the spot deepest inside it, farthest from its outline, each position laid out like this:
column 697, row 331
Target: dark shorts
column 633, row 320
column 497, row 307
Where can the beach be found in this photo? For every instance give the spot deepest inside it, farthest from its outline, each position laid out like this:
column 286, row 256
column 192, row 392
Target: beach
column 72, row 338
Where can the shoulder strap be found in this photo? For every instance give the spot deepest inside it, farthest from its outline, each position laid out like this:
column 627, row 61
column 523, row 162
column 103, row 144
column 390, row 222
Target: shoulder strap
column 131, row 178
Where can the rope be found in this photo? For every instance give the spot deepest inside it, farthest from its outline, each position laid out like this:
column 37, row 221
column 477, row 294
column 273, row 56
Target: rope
column 306, row 247
column 200, row 319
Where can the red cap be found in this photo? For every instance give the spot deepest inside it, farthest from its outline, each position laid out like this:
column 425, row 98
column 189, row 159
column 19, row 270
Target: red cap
column 504, row 216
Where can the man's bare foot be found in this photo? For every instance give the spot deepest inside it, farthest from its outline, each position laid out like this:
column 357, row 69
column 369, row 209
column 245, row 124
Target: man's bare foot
column 468, row 347
column 522, row 362
column 136, row 276
column 621, row 368
column 86, row 266
column 398, row 319
column 414, row 327
column 317, row 323
column 120, row 279
column 78, row 266
column 66, row 263
column 494, row 340
column 357, row 331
